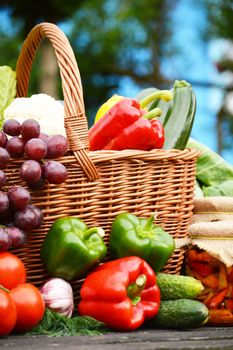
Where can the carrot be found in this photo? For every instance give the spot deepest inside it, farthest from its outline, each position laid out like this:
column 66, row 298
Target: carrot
column 219, row 313
column 217, row 299
column 222, row 276
column 229, row 304
column 210, row 281
column 230, row 275
column 230, row 291
column 202, row 268
column 221, row 320
column 208, row 297
column 194, row 255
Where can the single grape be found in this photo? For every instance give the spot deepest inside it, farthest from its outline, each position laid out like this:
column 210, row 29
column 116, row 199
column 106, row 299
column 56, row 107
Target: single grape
column 39, row 215
column 57, row 146
column 12, row 127
column 30, row 171
column 17, row 236
column 55, row 172
column 25, row 219
column 4, row 202
column 3, row 179
column 43, row 136
column 4, row 158
column 5, row 240
column 15, row 147
column 35, row 149
column 30, row 129
column 36, row 185
column 3, row 139
column 19, row 197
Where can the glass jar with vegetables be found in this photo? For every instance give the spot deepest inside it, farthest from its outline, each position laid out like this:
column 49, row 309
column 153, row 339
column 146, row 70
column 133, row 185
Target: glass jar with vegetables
column 210, row 256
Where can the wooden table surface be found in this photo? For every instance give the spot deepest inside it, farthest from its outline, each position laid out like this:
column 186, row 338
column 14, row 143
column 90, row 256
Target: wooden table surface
column 205, row 338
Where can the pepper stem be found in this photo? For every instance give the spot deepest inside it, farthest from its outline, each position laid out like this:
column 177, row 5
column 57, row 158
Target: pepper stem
column 149, row 222
column 92, row 230
column 5, row 289
column 156, row 112
column 165, row 95
column 134, row 289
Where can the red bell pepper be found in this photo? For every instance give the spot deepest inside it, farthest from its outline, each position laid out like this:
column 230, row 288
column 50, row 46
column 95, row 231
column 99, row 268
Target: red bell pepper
column 127, row 126
column 121, row 293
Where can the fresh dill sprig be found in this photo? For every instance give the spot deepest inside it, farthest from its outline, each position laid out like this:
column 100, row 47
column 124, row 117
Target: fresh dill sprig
column 55, row 325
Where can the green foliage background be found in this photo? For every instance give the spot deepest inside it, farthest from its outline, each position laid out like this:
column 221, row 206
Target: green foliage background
column 111, row 40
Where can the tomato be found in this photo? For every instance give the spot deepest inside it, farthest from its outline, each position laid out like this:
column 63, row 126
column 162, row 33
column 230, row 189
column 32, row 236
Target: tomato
column 8, row 313
column 12, row 270
column 30, row 306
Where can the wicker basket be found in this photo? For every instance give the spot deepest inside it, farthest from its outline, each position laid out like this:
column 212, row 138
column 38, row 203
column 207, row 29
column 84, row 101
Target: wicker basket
column 102, row 184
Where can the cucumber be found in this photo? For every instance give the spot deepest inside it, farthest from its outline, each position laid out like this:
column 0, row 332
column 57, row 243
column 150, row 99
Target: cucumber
column 180, row 314
column 180, row 120
column 178, row 287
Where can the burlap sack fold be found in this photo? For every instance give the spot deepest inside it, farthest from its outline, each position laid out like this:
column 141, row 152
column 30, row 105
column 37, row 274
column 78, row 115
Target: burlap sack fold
column 212, row 228
column 211, row 209
column 214, row 237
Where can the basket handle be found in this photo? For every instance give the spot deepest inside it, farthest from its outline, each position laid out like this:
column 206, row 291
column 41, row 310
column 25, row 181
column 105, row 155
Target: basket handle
column 75, row 120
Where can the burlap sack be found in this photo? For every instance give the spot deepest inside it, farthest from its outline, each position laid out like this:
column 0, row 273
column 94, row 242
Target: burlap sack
column 212, row 228
column 211, row 209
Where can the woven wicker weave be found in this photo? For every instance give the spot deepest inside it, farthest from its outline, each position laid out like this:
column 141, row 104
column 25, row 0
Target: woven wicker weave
column 102, row 184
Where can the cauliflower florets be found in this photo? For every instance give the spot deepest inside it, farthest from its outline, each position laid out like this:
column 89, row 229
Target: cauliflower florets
column 45, row 109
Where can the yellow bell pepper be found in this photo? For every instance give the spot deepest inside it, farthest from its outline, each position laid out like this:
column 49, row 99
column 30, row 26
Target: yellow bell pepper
column 107, row 105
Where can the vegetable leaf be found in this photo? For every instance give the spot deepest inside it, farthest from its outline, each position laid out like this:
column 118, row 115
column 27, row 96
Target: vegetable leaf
column 7, row 88
column 212, row 169
column 55, row 325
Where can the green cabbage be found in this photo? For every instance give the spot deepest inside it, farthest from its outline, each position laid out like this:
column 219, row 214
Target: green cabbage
column 224, row 189
column 213, row 173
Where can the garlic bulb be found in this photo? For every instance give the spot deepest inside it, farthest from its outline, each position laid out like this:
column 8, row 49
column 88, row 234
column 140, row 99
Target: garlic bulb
column 58, row 296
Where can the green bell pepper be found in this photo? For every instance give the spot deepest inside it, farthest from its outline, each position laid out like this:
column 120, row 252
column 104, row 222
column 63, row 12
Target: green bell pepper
column 71, row 249
column 131, row 236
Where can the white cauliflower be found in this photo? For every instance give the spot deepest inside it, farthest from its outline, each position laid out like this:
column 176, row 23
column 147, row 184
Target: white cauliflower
column 45, row 109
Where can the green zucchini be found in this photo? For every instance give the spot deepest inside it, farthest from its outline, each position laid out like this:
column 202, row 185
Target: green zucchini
column 166, row 108
column 163, row 105
column 180, row 314
column 177, row 115
column 179, row 123
column 144, row 93
column 178, row 287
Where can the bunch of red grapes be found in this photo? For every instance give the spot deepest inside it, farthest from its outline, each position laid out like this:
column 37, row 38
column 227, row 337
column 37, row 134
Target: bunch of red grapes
column 17, row 215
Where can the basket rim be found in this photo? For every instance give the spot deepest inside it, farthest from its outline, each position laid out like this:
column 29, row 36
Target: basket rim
column 154, row 154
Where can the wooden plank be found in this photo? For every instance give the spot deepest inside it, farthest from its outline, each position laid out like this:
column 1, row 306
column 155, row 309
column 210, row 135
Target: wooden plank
column 208, row 338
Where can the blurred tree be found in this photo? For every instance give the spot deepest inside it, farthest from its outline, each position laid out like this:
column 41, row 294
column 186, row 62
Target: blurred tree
column 124, row 43
column 115, row 42
column 26, row 15
column 220, row 14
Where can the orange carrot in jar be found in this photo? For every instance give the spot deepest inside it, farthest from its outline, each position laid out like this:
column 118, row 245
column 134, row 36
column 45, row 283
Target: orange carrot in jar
column 230, row 274
column 202, row 268
column 229, row 304
column 220, row 316
column 222, row 276
column 210, row 281
column 217, row 299
column 208, row 297
column 194, row 255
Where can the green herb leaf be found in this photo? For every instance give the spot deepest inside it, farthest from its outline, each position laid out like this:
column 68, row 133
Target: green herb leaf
column 7, row 88
column 54, row 325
